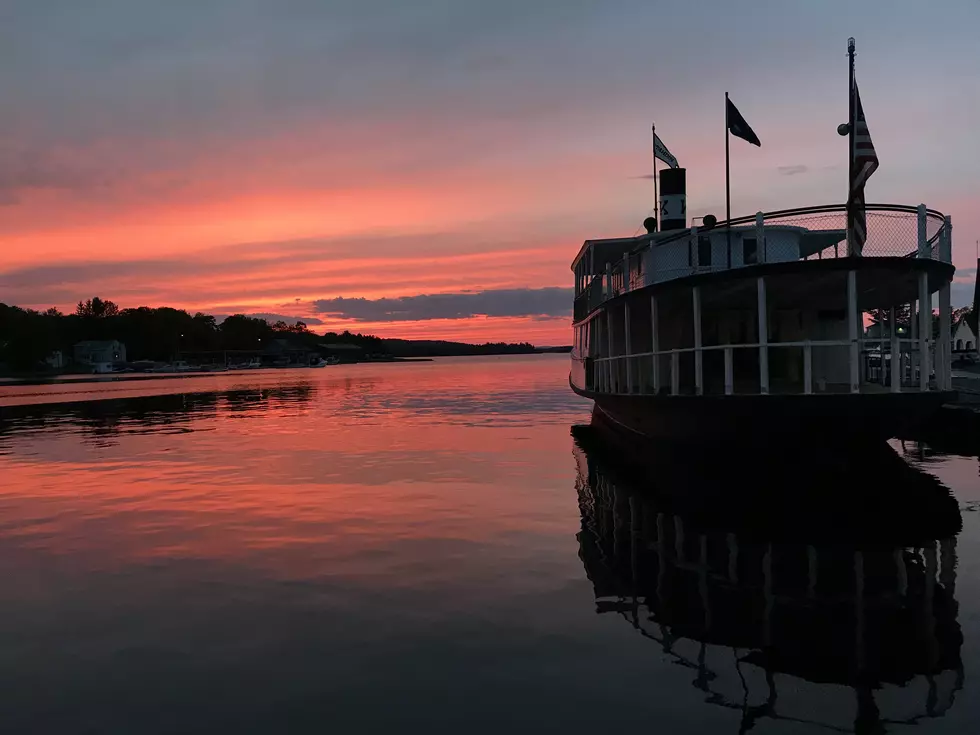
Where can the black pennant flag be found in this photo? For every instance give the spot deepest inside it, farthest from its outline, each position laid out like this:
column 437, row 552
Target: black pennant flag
column 738, row 127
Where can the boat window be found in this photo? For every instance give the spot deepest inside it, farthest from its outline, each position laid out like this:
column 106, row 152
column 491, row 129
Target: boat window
column 704, row 250
column 750, row 250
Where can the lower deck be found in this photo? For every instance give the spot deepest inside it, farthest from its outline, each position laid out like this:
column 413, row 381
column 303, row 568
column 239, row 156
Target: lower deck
column 788, row 329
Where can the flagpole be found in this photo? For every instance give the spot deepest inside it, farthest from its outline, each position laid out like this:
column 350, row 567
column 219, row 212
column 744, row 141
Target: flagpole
column 728, row 189
column 850, row 145
column 656, row 199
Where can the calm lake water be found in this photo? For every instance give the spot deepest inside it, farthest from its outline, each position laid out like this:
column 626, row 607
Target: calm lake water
column 424, row 547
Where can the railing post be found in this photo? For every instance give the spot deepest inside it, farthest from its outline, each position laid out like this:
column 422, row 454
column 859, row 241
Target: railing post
column 946, row 243
column 852, row 331
column 923, row 248
column 609, row 283
column 944, row 376
column 807, row 367
column 629, row 347
column 695, row 250
column 760, row 238
column 763, row 336
column 626, row 272
column 914, row 336
column 925, row 329
column 675, row 370
column 609, row 340
column 881, row 349
column 945, row 310
column 729, row 373
column 896, row 352
column 656, row 343
column 698, row 355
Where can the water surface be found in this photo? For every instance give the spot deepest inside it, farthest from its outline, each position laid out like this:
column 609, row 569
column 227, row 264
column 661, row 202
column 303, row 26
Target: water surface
column 377, row 547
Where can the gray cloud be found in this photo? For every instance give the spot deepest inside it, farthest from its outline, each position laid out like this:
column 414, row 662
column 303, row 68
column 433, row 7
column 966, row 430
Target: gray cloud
column 532, row 302
column 273, row 318
column 961, row 294
column 795, row 169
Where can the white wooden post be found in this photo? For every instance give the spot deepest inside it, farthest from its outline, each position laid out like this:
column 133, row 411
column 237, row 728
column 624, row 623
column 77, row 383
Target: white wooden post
column 760, row 239
column 629, row 347
column 609, row 340
column 914, row 336
column 925, row 330
column 763, row 336
column 675, row 373
column 947, row 240
column 944, row 353
column 896, row 354
column 852, row 331
column 881, row 347
column 807, row 367
column 656, row 344
column 695, row 250
column 698, row 365
column 923, row 248
column 729, row 373
column 945, row 310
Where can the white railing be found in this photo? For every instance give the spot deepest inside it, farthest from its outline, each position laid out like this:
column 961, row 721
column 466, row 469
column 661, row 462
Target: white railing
column 640, row 373
column 893, row 230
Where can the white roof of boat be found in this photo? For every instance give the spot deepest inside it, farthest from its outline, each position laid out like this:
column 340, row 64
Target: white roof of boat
column 610, row 250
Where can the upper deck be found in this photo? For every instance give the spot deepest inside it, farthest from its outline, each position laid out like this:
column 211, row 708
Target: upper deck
column 605, row 269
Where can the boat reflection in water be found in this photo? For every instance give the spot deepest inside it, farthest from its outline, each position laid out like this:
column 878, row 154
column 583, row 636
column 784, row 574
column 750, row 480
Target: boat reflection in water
column 779, row 612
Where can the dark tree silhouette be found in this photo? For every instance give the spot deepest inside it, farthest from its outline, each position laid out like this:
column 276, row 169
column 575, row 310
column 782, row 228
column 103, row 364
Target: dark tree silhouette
column 96, row 308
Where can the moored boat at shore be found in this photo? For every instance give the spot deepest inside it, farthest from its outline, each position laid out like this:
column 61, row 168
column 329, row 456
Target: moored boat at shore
column 754, row 328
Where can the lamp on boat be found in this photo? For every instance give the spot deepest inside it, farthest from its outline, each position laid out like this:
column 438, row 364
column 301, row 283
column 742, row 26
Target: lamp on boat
column 651, row 224
column 844, row 129
column 709, row 221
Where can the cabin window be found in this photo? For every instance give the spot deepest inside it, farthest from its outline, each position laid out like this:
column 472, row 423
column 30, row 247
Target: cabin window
column 959, row 344
column 969, row 345
column 704, row 250
column 750, row 250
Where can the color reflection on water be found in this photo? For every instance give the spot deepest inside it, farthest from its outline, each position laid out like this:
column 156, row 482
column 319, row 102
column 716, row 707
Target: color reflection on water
column 423, row 546
column 719, row 596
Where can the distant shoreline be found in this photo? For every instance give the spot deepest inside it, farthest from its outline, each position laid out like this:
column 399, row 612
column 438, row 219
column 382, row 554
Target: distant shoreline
column 78, row 378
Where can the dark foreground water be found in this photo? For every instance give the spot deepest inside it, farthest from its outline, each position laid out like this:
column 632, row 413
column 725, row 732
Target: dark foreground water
column 424, row 548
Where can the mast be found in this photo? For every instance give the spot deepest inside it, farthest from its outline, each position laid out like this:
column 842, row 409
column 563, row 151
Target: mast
column 728, row 190
column 851, row 133
column 656, row 199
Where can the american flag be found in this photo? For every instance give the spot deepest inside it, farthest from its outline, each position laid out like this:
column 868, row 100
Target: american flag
column 864, row 162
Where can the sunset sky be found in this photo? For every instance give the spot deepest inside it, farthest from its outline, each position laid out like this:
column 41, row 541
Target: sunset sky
column 430, row 168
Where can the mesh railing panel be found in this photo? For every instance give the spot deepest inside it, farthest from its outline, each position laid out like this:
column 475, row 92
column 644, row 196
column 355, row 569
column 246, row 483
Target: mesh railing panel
column 892, row 231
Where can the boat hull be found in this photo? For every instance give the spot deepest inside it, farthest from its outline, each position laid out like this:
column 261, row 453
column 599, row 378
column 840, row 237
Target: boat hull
column 766, row 419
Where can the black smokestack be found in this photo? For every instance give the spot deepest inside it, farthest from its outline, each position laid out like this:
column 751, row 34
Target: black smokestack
column 673, row 198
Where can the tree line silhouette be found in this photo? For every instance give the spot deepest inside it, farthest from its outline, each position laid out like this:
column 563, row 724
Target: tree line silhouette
column 28, row 337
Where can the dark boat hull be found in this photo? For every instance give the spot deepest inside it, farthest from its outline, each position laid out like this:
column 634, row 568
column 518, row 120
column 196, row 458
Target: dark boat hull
column 767, row 420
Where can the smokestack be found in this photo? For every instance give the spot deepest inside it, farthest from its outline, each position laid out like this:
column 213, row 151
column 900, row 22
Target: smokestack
column 673, row 199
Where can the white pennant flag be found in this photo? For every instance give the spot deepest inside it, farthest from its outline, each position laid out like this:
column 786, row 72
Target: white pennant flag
column 660, row 151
